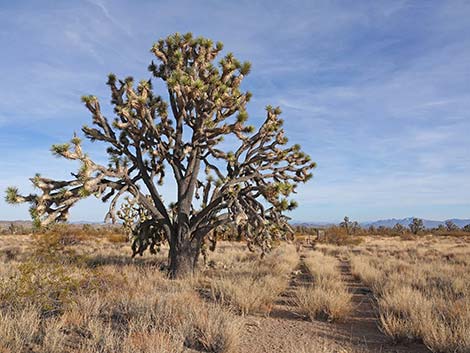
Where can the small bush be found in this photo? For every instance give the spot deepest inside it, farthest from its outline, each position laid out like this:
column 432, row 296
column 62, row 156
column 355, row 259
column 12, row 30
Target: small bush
column 247, row 295
column 60, row 235
column 19, row 329
column 339, row 236
column 407, row 236
column 47, row 287
column 327, row 299
column 253, row 284
column 117, row 238
column 323, row 302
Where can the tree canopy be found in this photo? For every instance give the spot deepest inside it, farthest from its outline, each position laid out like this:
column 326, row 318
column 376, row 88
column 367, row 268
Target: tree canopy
column 151, row 138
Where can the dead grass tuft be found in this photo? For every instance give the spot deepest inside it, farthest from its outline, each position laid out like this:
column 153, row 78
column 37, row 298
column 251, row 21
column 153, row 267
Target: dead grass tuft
column 253, row 284
column 117, row 238
column 422, row 290
column 49, row 305
column 328, row 298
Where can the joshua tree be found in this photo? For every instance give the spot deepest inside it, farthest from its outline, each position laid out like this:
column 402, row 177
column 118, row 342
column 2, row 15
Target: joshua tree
column 466, row 228
column 351, row 227
column 355, row 227
column 382, row 230
column 416, row 225
column 398, row 229
column 346, row 224
column 249, row 185
column 12, row 229
column 451, row 226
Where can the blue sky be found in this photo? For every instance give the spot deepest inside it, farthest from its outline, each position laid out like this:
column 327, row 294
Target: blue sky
column 377, row 92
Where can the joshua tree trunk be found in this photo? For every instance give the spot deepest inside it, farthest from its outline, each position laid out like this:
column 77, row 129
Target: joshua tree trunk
column 184, row 252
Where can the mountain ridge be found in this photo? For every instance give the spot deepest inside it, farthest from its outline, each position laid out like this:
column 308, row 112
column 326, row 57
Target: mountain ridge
column 390, row 222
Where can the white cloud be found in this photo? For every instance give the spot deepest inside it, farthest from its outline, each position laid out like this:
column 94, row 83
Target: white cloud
column 378, row 99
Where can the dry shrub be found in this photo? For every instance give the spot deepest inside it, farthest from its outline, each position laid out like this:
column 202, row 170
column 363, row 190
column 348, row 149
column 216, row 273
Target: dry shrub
column 408, row 236
column 131, row 309
column 212, row 329
column 60, row 235
column 18, row 329
column 182, row 318
column 422, row 290
column 323, row 267
column 369, row 275
column 339, row 236
column 47, row 287
column 117, row 238
column 49, row 280
column 328, row 298
column 448, row 332
column 246, row 294
column 323, row 302
column 401, row 313
column 54, row 303
column 253, row 284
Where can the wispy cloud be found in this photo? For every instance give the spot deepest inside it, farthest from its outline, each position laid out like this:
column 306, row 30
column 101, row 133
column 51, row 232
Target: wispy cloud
column 378, row 98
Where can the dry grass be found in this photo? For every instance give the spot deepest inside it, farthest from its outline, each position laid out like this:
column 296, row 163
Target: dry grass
column 251, row 284
column 117, row 238
column 90, row 300
column 87, row 295
column 327, row 298
column 422, row 290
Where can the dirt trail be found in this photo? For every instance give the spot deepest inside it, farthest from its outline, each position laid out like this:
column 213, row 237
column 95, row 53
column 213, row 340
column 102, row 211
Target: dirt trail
column 284, row 330
column 363, row 323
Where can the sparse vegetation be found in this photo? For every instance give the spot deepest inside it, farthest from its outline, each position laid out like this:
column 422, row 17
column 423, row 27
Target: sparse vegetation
column 327, row 298
column 62, row 292
column 253, row 284
column 422, row 291
column 58, row 302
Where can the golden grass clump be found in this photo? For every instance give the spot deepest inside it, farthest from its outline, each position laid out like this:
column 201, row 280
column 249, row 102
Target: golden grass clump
column 252, row 284
column 18, row 329
column 51, row 305
column 422, row 290
column 247, row 295
column 399, row 316
column 117, row 238
column 327, row 298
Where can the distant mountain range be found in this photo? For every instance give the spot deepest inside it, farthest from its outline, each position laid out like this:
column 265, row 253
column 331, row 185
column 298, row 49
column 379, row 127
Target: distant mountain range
column 390, row 222
column 406, row 221
column 383, row 222
column 5, row 224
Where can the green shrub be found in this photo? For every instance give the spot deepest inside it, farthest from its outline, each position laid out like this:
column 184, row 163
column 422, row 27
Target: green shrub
column 47, row 286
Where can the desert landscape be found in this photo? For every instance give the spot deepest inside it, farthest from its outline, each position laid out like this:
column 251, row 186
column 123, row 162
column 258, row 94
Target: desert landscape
column 73, row 291
column 235, row 176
